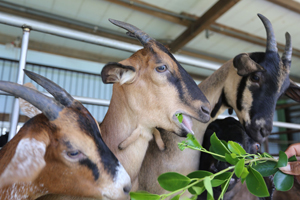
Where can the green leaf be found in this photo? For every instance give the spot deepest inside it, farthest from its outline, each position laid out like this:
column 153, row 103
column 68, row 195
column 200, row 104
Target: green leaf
column 179, row 117
column 207, row 185
column 209, row 197
column 220, row 179
column 236, row 148
column 216, row 157
column 229, row 158
column 172, row 181
column 192, row 141
column 225, row 185
column 282, row 161
column 141, row 195
column 266, row 168
column 256, row 184
column 282, row 181
column 292, row 159
column 223, row 176
column 239, row 167
column 176, row 197
column 198, row 174
column 266, row 155
column 244, row 173
column 217, row 182
column 218, row 146
column 198, row 190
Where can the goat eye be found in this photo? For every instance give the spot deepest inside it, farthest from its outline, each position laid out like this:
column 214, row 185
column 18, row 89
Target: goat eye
column 162, row 68
column 73, row 154
column 257, row 146
column 254, row 78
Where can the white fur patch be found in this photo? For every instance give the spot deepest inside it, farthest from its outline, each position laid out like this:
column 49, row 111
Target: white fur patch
column 21, row 191
column 260, row 122
column 27, row 162
column 121, row 180
column 27, row 108
column 127, row 77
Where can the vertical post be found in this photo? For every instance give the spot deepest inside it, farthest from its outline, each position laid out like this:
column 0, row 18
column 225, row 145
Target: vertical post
column 15, row 112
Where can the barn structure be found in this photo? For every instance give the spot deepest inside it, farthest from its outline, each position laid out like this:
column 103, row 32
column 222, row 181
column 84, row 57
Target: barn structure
column 69, row 41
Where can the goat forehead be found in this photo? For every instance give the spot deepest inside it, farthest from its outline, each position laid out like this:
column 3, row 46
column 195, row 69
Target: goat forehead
column 182, row 81
column 86, row 128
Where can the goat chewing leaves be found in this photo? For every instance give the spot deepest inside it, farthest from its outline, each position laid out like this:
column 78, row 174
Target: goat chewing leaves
column 249, row 167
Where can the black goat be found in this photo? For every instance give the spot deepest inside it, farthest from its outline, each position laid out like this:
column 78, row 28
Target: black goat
column 227, row 129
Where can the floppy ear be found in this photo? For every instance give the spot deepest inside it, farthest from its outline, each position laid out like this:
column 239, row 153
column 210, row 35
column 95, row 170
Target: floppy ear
column 293, row 91
column 116, row 72
column 27, row 108
column 245, row 65
column 27, row 161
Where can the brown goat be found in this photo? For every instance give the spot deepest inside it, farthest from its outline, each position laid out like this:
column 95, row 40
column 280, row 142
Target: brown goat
column 150, row 88
column 59, row 151
column 250, row 84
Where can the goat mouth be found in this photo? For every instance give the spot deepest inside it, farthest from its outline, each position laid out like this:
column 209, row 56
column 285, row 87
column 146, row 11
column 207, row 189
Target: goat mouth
column 186, row 123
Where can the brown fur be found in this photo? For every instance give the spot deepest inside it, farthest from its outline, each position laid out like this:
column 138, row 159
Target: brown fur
column 146, row 101
column 172, row 159
column 60, row 175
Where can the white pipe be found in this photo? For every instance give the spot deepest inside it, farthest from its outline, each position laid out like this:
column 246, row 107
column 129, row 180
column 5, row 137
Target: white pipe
column 16, row 108
column 93, row 39
column 275, row 123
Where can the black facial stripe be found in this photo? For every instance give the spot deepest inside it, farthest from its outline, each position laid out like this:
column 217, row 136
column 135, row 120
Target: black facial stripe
column 92, row 166
column 191, row 87
column 240, row 91
column 68, row 144
column 222, row 101
column 109, row 160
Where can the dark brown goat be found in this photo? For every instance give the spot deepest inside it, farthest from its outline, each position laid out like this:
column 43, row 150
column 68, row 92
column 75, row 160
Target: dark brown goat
column 58, row 152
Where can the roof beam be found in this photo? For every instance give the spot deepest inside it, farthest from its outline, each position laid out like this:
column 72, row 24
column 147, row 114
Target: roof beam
column 202, row 23
column 155, row 11
column 232, row 32
column 215, row 27
column 29, row 13
column 288, row 4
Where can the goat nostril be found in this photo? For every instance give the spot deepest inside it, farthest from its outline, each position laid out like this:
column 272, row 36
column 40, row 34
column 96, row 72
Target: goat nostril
column 205, row 110
column 127, row 189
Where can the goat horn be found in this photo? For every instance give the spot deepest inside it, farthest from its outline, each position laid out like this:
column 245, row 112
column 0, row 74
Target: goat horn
column 58, row 93
column 133, row 31
column 47, row 105
column 287, row 54
column 271, row 40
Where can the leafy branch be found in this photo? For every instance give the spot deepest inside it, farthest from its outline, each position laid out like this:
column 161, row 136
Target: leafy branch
column 248, row 167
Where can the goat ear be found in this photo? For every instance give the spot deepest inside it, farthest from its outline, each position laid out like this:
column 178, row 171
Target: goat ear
column 245, row 65
column 27, row 108
column 27, row 162
column 116, row 72
column 293, row 91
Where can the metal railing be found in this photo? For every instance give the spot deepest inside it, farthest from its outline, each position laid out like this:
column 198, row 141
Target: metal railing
column 98, row 40
column 85, row 87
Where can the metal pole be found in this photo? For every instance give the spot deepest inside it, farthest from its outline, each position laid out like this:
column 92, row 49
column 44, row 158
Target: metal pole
column 94, row 39
column 15, row 112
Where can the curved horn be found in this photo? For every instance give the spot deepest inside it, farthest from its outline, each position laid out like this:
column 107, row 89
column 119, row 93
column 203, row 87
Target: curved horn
column 47, row 105
column 58, row 93
column 287, row 54
column 133, row 31
column 271, row 40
